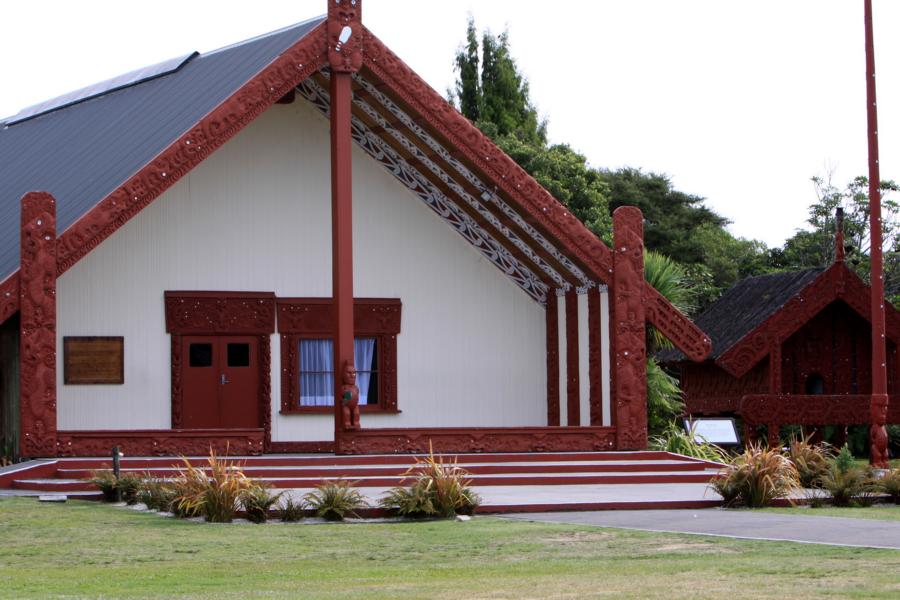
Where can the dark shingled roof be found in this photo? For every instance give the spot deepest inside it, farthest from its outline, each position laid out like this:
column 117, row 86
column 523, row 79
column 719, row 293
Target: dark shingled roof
column 82, row 152
column 745, row 306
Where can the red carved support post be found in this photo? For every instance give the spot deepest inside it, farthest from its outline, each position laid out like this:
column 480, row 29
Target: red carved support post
column 552, row 359
column 630, row 379
column 595, row 368
column 878, row 439
column 774, row 429
column 344, row 57
column 37, row 328
column 573, row 404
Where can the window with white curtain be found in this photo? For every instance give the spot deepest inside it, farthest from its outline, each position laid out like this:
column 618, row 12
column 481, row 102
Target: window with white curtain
column 316, row 371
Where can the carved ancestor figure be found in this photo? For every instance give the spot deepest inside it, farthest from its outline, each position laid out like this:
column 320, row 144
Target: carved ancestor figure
column 350, row 397
column 878, row 437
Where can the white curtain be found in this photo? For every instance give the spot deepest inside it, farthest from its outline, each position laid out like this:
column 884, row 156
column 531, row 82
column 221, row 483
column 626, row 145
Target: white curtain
column 316, row 373
column 317, row 370
column 364, row 357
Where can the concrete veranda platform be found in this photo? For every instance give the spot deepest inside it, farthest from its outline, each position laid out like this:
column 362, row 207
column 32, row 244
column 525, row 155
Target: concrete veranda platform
column 739, row 523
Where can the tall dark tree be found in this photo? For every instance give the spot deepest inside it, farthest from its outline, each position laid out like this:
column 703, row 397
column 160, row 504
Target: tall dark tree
column 468, row 86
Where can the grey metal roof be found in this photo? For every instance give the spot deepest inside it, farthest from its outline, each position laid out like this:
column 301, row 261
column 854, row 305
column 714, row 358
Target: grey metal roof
column 82, row 152
column 744, row 307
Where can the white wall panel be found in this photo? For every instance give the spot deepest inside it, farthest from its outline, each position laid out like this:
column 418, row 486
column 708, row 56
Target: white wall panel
column 584, row 350
column 255, row 216
column 605, row 357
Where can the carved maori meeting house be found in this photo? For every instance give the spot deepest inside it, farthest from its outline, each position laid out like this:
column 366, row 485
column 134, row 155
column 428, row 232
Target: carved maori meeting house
column 187, row 251
column 791, row 348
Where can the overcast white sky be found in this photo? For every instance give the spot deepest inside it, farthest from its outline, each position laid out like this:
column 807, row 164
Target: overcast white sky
column 740, row 102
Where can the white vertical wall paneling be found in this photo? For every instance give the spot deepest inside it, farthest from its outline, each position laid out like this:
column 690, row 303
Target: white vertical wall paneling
column 584, row 377
column 563, row 361
column 605, row 358
column 255, row 216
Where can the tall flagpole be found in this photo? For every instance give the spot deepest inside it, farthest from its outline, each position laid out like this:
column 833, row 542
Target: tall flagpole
column 878, row 406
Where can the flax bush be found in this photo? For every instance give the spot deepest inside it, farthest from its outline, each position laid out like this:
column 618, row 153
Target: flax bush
column 757, row 477
column 438, row 489
column 257, row 501
column 214, row 496
column 335, row 500
column 292, row 510
column 811, row 461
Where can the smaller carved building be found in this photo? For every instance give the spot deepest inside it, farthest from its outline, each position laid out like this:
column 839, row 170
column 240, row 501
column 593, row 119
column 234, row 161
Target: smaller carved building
column 790, row 348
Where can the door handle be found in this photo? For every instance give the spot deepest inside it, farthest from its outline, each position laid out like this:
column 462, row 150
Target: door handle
column 223, row 380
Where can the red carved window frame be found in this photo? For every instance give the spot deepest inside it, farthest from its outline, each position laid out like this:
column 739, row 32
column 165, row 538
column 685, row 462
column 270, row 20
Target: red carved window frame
column 312, row 318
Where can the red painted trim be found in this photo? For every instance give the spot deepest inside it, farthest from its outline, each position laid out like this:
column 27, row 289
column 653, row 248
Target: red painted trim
column 253, row 98
column 320, row 447
column 595, row 358
column 628, row 331
column 552, row 319
column 9, row 297
column 37, row 326
column 479, row 439
column 162, row 442
column 573, row 390
column 536, row 203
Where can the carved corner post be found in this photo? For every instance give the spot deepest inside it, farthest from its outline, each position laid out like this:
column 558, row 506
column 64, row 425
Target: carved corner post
column 773, row 430
column 573, row 389
column 628, row 331
column 344, row 57
column 595, row 363
column 37, row 325
column 552, row 317
column 878, row 437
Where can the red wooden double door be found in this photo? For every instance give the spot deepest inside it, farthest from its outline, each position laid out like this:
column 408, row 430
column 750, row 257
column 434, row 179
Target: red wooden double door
column 221, row 382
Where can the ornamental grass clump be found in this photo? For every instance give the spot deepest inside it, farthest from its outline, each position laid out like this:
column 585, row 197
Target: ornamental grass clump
column 757, row 478
column 890, row 485
column 110, row 485
column 335, row 500
column 847, row 483
column 292, row 510
column 257, row 501
column 213, row 496
column 156, row 494
column 811, row 461
column 678, row 441
column 437, row 490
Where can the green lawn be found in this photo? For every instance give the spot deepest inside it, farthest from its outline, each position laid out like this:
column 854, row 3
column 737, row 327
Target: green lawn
column 84, row 549
column 879, row 512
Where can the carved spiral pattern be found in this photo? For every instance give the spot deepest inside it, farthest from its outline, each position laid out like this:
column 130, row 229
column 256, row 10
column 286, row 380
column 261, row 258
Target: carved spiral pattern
column 37, row 302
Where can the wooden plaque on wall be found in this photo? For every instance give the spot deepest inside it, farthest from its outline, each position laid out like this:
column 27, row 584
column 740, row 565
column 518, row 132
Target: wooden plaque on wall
column 94, row 360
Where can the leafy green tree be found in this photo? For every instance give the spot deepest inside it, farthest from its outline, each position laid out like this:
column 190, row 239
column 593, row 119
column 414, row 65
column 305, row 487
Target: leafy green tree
column 468, row 86
column 814, row 247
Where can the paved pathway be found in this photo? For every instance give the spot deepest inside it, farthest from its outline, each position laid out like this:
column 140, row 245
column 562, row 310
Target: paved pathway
column 739, row 524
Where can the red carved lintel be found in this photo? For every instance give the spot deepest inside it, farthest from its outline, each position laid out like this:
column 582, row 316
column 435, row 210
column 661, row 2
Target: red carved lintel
column 476, row 439
column 628, row 329
column 345, row 35
column 573, row 389
column 595, row 363
column 37, row 327
column 552, row 319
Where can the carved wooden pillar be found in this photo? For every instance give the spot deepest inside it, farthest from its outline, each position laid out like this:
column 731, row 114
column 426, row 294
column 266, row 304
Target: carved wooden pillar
column 552, row 319
column 344, row 57
column 37, row 325
column 573, row 389
column 595, row 368
column 630, row 379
